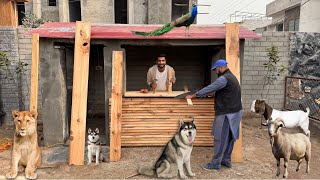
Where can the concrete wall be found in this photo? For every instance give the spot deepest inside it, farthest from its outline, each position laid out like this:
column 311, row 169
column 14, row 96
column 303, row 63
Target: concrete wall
column 159, row 12
column 53, row 92
column 50, row 13
column 138, row 11
column 253, row 71
column 97, row 11
column 281, row 5
column 310, row 16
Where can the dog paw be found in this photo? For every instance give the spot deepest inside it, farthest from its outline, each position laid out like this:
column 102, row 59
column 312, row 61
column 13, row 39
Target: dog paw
column 11, row 174
column 192, row 174
column 31, row 175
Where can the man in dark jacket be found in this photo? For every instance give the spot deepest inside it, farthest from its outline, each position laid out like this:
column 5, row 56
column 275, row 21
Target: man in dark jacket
column 228, row 113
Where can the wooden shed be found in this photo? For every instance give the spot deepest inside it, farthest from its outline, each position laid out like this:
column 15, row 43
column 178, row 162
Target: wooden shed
column 145, row 119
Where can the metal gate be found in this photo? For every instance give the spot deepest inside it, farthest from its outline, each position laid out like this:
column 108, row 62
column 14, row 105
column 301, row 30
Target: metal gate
column 301, row 93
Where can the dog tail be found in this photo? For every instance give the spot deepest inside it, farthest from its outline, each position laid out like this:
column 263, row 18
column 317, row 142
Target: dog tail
column 308, row 111
column 146, row 171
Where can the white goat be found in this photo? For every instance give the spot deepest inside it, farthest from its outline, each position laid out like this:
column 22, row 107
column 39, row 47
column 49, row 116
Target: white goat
column 288, row 146
column 290, row 118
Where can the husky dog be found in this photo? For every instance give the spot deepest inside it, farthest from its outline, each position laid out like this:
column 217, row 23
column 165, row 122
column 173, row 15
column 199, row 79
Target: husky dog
column 94, row 146
column 176, row 153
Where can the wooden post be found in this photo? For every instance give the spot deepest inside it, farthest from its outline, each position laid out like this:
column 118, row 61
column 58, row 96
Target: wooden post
column 9, row 13
column 79, row 93
column 34, row 73
column 116, row 106
column 232, row 56
column 170, row 76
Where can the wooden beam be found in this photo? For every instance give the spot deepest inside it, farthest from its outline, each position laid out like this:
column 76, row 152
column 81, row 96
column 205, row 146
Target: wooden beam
column 116, row 106
column 34, row 73
column 79, row 93
column 232, row 56
column 9, row 13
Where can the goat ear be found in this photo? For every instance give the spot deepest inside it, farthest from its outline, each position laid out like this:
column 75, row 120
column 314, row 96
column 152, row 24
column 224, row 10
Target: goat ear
column 89, row 130
column 281, row 125
column 262, row 107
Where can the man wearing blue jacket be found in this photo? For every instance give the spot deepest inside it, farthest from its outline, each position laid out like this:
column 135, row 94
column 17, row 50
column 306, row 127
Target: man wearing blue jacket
column 228, row 113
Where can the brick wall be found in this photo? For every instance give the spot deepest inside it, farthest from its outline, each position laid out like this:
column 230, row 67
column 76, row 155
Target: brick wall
column 14, row 94
column 253, row 71
column 9, row 90
column 25, row 55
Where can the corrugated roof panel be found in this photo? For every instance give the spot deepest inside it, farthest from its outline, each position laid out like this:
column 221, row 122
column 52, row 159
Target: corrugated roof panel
column 124, row 31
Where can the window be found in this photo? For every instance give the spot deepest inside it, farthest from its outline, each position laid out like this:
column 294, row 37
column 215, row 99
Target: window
column 52, row 2
column 280, row 27
column 294, row 25
column 291, row 25
column 179, row 8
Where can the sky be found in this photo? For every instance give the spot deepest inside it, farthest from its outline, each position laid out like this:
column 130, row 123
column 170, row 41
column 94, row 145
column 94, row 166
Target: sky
column 220, row 10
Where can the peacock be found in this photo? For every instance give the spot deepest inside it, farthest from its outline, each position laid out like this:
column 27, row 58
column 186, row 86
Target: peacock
column 185, row 20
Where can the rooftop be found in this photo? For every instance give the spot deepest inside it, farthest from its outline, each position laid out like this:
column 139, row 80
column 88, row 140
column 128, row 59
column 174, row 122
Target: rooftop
column 124, row 31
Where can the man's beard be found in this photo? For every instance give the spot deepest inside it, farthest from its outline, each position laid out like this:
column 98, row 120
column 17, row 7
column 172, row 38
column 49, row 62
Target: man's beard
column 220, row 73
column 161, row 66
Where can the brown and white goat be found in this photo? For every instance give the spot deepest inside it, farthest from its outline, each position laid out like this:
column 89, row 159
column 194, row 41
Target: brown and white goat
column 290, row 118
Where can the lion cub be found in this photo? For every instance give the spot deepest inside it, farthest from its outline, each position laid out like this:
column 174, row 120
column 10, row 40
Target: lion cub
column 26, row 153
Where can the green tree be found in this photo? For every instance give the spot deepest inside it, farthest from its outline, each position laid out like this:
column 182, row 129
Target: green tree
column 273, row 70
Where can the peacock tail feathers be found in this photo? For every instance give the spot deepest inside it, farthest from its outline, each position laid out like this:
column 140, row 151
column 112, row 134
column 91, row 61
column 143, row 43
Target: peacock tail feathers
column 185, row 20
column 162, row 30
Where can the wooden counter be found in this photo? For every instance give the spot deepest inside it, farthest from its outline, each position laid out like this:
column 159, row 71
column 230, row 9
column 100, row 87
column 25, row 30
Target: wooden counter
column 151, row 121
column 151, row 94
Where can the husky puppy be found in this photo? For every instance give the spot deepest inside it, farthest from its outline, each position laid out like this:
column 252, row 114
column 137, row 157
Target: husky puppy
column 176, row 153
column 94, row 146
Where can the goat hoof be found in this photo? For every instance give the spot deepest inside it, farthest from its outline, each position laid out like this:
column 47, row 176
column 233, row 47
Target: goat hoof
column 284, row 176
column 297, row 170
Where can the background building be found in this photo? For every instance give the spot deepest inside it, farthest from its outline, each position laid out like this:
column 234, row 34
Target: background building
column 108, row 11
column 294, row 15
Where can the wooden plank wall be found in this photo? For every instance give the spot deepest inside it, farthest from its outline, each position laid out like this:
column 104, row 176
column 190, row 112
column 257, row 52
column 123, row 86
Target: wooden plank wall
column 191, row 64
column 154, row 121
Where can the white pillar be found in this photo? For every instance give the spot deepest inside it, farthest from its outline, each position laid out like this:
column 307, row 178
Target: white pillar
column 309, row 16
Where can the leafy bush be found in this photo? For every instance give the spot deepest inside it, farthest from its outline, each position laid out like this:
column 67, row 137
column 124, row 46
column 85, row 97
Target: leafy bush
column 30, row 20
column 273, row 71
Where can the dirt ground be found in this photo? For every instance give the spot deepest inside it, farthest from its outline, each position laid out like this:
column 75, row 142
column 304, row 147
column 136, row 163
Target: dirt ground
column 258, row 163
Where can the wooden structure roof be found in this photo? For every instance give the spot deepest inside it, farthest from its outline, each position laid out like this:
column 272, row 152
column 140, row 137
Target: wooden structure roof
column 124, row 31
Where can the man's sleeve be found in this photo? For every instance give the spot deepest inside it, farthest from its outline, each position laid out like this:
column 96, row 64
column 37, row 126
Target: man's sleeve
column 149, row 77
column 174, row 76
column 218, row 84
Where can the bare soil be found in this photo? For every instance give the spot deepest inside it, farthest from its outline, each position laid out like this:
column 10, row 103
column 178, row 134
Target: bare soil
column 258, row 161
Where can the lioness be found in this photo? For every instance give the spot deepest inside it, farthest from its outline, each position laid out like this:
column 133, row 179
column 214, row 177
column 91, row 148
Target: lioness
column 26, row 153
